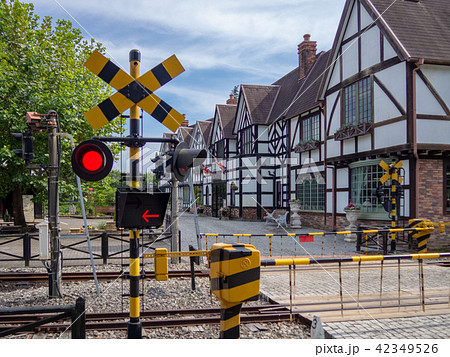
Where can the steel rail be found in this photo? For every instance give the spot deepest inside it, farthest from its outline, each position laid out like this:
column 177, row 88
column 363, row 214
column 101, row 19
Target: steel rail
column 96, row 321
column 89, row 276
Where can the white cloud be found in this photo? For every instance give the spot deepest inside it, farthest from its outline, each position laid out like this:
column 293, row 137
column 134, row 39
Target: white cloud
column 229, row 30
column 220, row 43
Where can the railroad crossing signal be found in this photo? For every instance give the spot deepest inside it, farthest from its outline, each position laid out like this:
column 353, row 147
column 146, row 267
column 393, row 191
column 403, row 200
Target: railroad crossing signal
column 26, row 152
column 184, row 159
column 92, row 160
column 131, row 91
column 391, row 171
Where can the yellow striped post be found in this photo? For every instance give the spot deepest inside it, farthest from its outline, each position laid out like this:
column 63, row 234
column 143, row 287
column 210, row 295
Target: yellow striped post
column 134, row 325
column 230, row 320
column 422, row 232
column 234, row 275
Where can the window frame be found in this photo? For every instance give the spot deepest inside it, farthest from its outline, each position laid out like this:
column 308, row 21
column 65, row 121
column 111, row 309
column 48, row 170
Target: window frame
column 378, row 213
column 220, row 149
column 357, row 102
column 318, row 196
column 312, row 124
column 245, row 140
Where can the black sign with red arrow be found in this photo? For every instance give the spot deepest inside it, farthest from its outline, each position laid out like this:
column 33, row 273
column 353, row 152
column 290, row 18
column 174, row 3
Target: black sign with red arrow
column 135, row 209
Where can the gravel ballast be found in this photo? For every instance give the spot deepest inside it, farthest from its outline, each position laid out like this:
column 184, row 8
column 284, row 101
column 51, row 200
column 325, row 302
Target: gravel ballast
column 175, row 293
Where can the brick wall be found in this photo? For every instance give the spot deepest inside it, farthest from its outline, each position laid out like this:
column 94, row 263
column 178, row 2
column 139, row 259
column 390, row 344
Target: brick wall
column 235, row 213
column 431, row 200
column 249, row 214
column 312, row 219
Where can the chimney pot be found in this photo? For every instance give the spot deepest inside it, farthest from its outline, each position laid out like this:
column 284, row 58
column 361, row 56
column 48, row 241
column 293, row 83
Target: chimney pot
column 306, row 55
column 232, row 100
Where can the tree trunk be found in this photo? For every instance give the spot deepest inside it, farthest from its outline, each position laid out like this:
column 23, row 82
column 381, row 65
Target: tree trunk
column 17, row 202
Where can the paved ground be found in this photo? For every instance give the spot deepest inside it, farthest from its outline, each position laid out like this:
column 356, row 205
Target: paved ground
column 311, row 286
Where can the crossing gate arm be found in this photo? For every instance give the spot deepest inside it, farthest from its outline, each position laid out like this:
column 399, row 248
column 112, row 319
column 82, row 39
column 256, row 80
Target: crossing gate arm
column 194, row 253
column 357, row 258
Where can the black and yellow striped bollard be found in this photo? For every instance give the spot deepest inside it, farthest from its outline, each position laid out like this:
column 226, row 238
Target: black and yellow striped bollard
column 421, row 235
column 235, row 276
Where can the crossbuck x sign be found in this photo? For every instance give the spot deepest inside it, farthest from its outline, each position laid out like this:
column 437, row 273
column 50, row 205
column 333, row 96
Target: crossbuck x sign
column 134, row 91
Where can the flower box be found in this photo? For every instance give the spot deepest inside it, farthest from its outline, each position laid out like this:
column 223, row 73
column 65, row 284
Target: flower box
column 350, row 131
column 308, row 145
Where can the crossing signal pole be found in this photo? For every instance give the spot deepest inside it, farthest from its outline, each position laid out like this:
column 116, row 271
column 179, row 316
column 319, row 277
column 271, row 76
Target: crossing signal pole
column 134, row 92
column 183, row 159
column 393, row 173
column 134, row 325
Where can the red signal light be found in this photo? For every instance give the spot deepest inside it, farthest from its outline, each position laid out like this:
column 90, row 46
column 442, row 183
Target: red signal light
column 92, row 160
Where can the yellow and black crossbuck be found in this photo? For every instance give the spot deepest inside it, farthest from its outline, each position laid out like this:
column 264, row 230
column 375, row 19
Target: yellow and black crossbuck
column 134, row 91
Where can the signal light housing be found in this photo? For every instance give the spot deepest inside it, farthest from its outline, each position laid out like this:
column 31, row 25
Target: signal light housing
column 26, row 152
column 92, row 160
column 184, row 159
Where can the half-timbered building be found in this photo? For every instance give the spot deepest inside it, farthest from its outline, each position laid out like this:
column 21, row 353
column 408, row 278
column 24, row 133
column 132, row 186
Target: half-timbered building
column 387, row 97
column 220, row 186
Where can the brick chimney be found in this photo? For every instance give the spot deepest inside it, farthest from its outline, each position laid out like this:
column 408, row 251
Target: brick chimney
column 306, row 55
column 185, row 122
column 232, row 100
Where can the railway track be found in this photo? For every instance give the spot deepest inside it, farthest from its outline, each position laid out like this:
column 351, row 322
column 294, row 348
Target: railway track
column 14, row 277
column 35, row 277
column 104, row 321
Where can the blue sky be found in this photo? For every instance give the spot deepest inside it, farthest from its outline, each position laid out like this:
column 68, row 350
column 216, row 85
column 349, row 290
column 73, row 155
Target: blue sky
column 221, row 44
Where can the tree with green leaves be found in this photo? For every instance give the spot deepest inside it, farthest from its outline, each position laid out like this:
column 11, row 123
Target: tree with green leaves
column 41, row 69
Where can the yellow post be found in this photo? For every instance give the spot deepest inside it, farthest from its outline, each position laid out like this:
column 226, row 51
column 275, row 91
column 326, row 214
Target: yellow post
column 134, row 325
column 161, row 264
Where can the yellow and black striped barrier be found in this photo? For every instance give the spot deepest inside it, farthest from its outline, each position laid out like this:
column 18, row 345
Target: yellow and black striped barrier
column 356, row 258
column 421, row 235
column 309, row 237
column 234, row 274
column 424, row 227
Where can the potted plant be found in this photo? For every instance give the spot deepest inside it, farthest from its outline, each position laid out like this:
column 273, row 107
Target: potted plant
column 224, row 212
column 351, row 130
column 306, row 145
column 200, row 209
column 234, row 186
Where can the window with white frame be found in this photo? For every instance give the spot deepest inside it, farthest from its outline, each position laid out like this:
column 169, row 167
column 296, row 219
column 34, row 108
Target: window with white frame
column 357, row 102
column 364, row 178
column 246, row 140
column 311, row 193
column 310, row 128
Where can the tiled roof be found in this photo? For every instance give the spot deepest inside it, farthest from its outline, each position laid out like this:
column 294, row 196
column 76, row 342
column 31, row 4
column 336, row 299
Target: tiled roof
column 288, row 87
column 226, row 115
column 419, row 29
column 259, row 100
column 205, row 129
column 186, row 134
column 306, row 96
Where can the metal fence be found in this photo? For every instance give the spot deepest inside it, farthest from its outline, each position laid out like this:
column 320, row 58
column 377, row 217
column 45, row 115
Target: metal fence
column 12, row 250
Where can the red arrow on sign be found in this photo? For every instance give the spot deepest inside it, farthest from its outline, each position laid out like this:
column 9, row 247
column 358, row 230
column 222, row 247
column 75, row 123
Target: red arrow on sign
column 145, row 216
